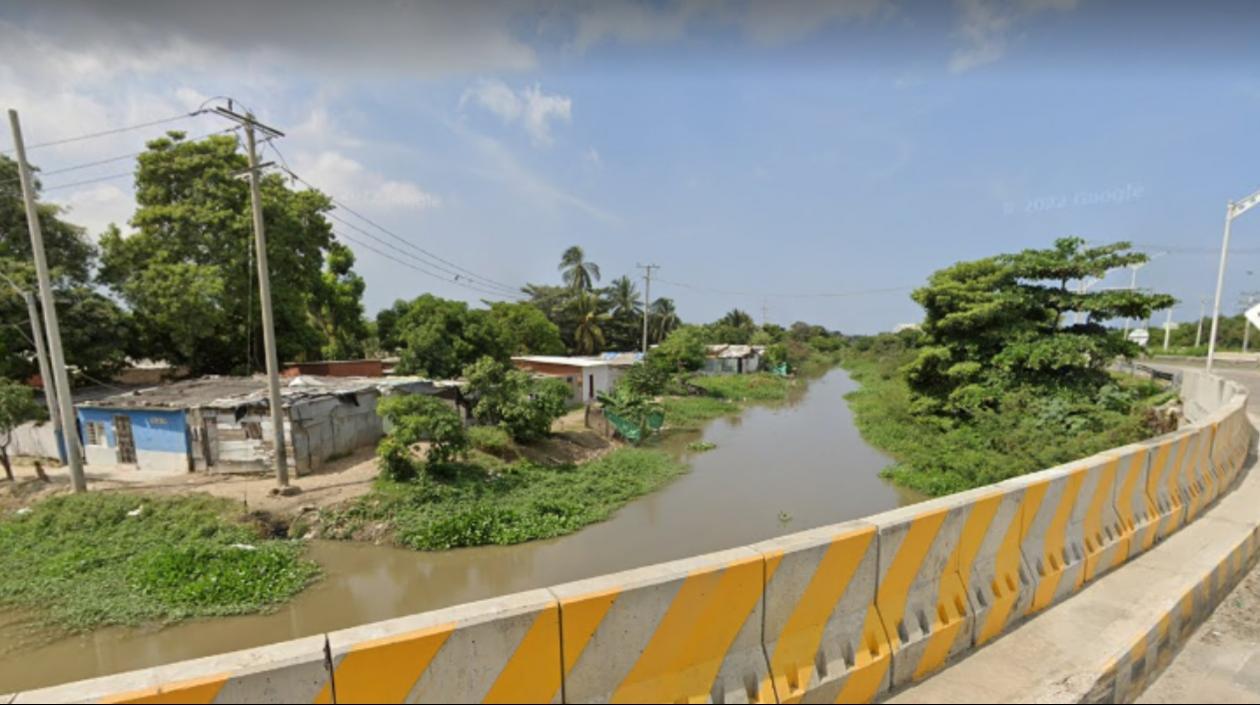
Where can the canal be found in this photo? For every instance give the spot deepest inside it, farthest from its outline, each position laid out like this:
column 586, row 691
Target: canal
column 776, row 470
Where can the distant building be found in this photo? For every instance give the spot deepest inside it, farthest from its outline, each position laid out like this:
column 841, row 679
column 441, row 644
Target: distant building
column 586, row 376
column 733, row 359
column 336, row 368
column 223, row 424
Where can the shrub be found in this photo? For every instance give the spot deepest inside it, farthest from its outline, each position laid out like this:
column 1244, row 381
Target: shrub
column 519, row 404
column 682, row 351
column 490, row 439
column 645, row 379
column 415, row 418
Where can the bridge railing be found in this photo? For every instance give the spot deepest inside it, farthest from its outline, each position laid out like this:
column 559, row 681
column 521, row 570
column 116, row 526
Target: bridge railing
column 840, row 613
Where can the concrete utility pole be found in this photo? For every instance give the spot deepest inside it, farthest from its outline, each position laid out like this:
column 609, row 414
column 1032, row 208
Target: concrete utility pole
column 1167, row 329
column 647, row 299
column 1198, row 333
column 45, row 370
column 65, row 402
column 1233, row 209
column 264, row 289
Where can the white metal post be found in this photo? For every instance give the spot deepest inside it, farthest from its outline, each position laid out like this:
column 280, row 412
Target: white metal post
column 1198, row 333
column 1167, row 329
column 1220, row 285
column 61, row 378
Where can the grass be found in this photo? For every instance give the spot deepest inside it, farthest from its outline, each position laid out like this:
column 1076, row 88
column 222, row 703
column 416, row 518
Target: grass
column 488, row 502
column 758, row 386
column 691, row 413
column 85, row 561
column 1028, row 433
column 701, row 446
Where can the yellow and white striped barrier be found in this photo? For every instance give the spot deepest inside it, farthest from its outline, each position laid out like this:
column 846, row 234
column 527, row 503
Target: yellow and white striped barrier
column 992, row 568
column 1134, row 504
column 1197, row 480
column 1168, row 456
column 291, row 671
column 921, row 598
column 823, row 636
column 502, row 650
column 686, row 631
column 1052, row 541
column 1106, row 535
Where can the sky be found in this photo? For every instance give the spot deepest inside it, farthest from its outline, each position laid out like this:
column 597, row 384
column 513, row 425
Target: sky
column 801, row 161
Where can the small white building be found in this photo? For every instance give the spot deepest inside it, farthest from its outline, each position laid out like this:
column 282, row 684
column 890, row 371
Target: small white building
column 733, row 359
column 586, row 376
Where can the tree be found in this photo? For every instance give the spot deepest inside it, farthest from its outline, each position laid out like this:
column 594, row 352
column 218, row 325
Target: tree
column 17, row 406
column 415, row 418
column 439, row 337
column 522, row 405
column 996, row 324
column 527, row 329
column 193, row 226
column 588, row 334
column 95, row 331
column 338, row 306
column 387, row 325
column 664, row 319
column 578, row 273
column 682, row 351
column 624, row 330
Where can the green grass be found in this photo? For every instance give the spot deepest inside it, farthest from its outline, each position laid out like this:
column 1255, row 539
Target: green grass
column 701, row 446
column 491, row 439
column 758, row 386
column 691, row 413
column 484, row 502
column 80, row 562
column 1029, row 432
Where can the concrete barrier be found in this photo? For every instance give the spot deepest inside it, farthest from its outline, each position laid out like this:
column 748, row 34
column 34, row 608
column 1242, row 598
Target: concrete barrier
column 1168, row 456
column 502, row 650
column 1052, row 541
column 823, row 636
column 292, row 671
column 1133, row 504
column 996, row 578
column 921, row 599
column 1106, row 536
column 1197, row 480
column 686, row 631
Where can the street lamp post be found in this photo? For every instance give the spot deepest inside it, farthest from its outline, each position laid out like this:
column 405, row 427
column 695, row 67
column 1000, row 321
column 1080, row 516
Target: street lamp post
column 1232, row 210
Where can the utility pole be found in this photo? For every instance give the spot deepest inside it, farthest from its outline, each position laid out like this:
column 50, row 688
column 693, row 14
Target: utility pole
column 264, row 289
column 1198, row 333
column 1233, row 209
column 45, row 371
column 1167, row 329
column 647, row 299
column 61, row 378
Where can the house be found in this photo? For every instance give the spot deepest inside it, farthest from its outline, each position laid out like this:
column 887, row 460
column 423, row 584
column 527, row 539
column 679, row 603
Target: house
column 733, row 359
column 586, row 376
column 336, row 368
column 223, row 424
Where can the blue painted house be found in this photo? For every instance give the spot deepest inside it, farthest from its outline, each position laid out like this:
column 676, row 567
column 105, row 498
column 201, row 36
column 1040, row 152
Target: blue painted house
column 149, row 438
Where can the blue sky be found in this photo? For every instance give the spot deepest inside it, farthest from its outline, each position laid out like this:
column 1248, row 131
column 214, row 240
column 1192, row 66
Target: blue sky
column 788, row 156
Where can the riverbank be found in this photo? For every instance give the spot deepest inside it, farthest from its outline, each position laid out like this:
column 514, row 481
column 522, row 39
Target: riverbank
column 84, row 561
column 1025, row 434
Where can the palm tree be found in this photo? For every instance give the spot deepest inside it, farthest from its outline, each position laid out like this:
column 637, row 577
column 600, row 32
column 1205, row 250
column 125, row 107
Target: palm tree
column 588, row 336
column 579, row 274
column 664, row 318
column 624, row 298
column 737, row 319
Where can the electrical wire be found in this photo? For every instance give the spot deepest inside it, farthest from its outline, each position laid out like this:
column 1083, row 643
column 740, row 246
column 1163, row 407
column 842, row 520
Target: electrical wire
column 440, row 261
column 395, row 259
column 114, row 131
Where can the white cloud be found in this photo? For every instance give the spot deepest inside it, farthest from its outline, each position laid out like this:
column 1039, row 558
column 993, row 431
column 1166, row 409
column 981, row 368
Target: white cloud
column 96, row 207
column 593, row 158
column 347, row 180
column 532, row 108
column 985, row 27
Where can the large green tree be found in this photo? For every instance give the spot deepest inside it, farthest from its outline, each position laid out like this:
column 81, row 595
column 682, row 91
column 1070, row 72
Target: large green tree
column 999, row 323
column 624, row 329
column 440, row 337
column 338, row 306
column 527, row 329
column 94, row 329
column 188, row 273
column 579, row 273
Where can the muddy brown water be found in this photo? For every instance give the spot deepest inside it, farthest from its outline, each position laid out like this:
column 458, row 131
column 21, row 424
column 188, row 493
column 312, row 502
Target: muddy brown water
column 776, row 470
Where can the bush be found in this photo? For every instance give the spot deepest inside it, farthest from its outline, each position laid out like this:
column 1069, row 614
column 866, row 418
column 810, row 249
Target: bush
column 415, row 418
column 519, row 404
column 682, row 351
column 645, row 379
column 490, row 439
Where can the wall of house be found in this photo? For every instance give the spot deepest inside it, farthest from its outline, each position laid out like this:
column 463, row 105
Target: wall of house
column 160, row 436
column 36, row 440
column 244, row 444
column 331, row 427
column 337, row 368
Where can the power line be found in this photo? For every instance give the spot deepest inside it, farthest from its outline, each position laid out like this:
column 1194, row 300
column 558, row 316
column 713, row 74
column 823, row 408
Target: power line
column 462, row 271
column 417, row 268
column 84, row 182
column 801, row 295
column 114, row 131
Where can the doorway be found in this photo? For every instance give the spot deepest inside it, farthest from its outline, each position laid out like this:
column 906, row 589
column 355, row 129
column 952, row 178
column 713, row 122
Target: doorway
column 126, row 441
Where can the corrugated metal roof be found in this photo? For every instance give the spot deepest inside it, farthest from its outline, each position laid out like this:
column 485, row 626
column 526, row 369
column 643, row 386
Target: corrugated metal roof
column 562, row 360
column 217, row 392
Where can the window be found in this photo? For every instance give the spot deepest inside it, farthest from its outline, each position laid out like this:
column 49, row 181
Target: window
column 96, row 434
column 253, row 429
